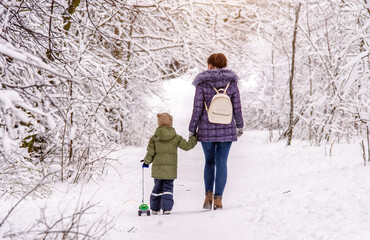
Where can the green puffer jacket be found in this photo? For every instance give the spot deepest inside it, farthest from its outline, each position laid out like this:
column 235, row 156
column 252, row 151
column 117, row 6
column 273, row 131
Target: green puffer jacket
column 162, row 152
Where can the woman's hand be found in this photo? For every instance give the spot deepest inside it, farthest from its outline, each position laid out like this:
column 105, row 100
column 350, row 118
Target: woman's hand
column 239, row 132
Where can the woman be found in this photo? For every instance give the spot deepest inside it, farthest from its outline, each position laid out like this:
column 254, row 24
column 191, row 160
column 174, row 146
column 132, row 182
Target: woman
column 216, row 139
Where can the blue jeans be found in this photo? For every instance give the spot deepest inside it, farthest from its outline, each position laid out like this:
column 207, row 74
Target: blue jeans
column 215, row 169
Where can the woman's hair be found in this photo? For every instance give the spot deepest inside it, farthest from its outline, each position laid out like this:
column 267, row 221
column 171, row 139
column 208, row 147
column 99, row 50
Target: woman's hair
column 217, row 60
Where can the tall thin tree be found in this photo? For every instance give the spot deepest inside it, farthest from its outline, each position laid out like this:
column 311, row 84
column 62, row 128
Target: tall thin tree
column 291, row 93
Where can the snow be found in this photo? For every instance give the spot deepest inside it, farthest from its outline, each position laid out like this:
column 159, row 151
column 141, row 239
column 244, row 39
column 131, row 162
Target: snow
column 51, row 122
column 273, row 191
column 355, row 60
column 6, row 141
column 8, row 97
column 367, row 4
column 9, row 50
column 105, row 126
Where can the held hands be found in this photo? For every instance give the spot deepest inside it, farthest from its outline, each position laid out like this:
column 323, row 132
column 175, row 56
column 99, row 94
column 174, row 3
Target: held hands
column 191, row 134
column 239, row 132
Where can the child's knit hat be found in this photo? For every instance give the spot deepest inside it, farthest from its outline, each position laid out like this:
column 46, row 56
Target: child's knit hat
column 164, row 119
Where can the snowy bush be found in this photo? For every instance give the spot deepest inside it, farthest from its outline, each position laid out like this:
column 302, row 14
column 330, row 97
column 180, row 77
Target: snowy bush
column 71, row 223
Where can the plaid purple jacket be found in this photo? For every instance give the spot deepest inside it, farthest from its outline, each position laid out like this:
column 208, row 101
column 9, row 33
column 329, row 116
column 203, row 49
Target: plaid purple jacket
column 204, row 83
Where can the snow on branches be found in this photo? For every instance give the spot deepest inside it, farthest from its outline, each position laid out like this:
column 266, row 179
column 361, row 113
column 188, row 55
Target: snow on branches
column 92, row 67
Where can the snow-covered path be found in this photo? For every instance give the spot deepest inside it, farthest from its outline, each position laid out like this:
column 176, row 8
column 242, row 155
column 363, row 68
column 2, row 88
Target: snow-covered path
column 273, row 192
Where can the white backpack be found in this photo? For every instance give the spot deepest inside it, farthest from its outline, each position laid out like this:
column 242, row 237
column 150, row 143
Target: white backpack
column 221, row 109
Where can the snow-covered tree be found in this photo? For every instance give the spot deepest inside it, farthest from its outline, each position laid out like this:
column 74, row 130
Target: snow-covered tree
column 85, row 71
column 332, row 65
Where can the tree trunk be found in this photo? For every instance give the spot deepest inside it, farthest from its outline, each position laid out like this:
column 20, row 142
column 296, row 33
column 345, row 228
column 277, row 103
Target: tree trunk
column 368, row 143
column 67, row 17
column 72, row 5
column 291, row 94
column 272, row 98
column 310, row 134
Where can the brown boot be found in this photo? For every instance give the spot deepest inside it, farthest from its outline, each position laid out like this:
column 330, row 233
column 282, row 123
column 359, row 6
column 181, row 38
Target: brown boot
column 208, row 200
column 218, row 203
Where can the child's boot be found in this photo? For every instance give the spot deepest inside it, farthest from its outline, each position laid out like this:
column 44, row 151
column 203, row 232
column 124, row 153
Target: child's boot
column 217, row 203
column 166, row 212
column 155, row 212
column 208, row 200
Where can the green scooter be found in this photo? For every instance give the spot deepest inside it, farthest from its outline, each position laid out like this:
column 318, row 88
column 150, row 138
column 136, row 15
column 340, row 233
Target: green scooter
column 143, row 208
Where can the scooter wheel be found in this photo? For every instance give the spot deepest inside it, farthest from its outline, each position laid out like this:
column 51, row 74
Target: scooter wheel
column 148, row 213
column 139, row 213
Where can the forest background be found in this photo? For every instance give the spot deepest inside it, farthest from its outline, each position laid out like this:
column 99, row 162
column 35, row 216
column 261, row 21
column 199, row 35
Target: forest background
column 78, row 77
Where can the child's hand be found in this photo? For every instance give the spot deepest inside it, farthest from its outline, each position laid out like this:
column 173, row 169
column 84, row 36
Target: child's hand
column 144, row 164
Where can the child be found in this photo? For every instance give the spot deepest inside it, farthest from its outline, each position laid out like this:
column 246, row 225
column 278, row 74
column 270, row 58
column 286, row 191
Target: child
column 162, row 152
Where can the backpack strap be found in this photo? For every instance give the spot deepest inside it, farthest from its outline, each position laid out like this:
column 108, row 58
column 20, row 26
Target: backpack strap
column 227, row 87
column 224, row 90
column 206, row 106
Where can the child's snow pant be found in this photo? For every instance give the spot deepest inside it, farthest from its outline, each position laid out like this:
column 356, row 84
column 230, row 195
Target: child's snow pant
column 162, row 195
